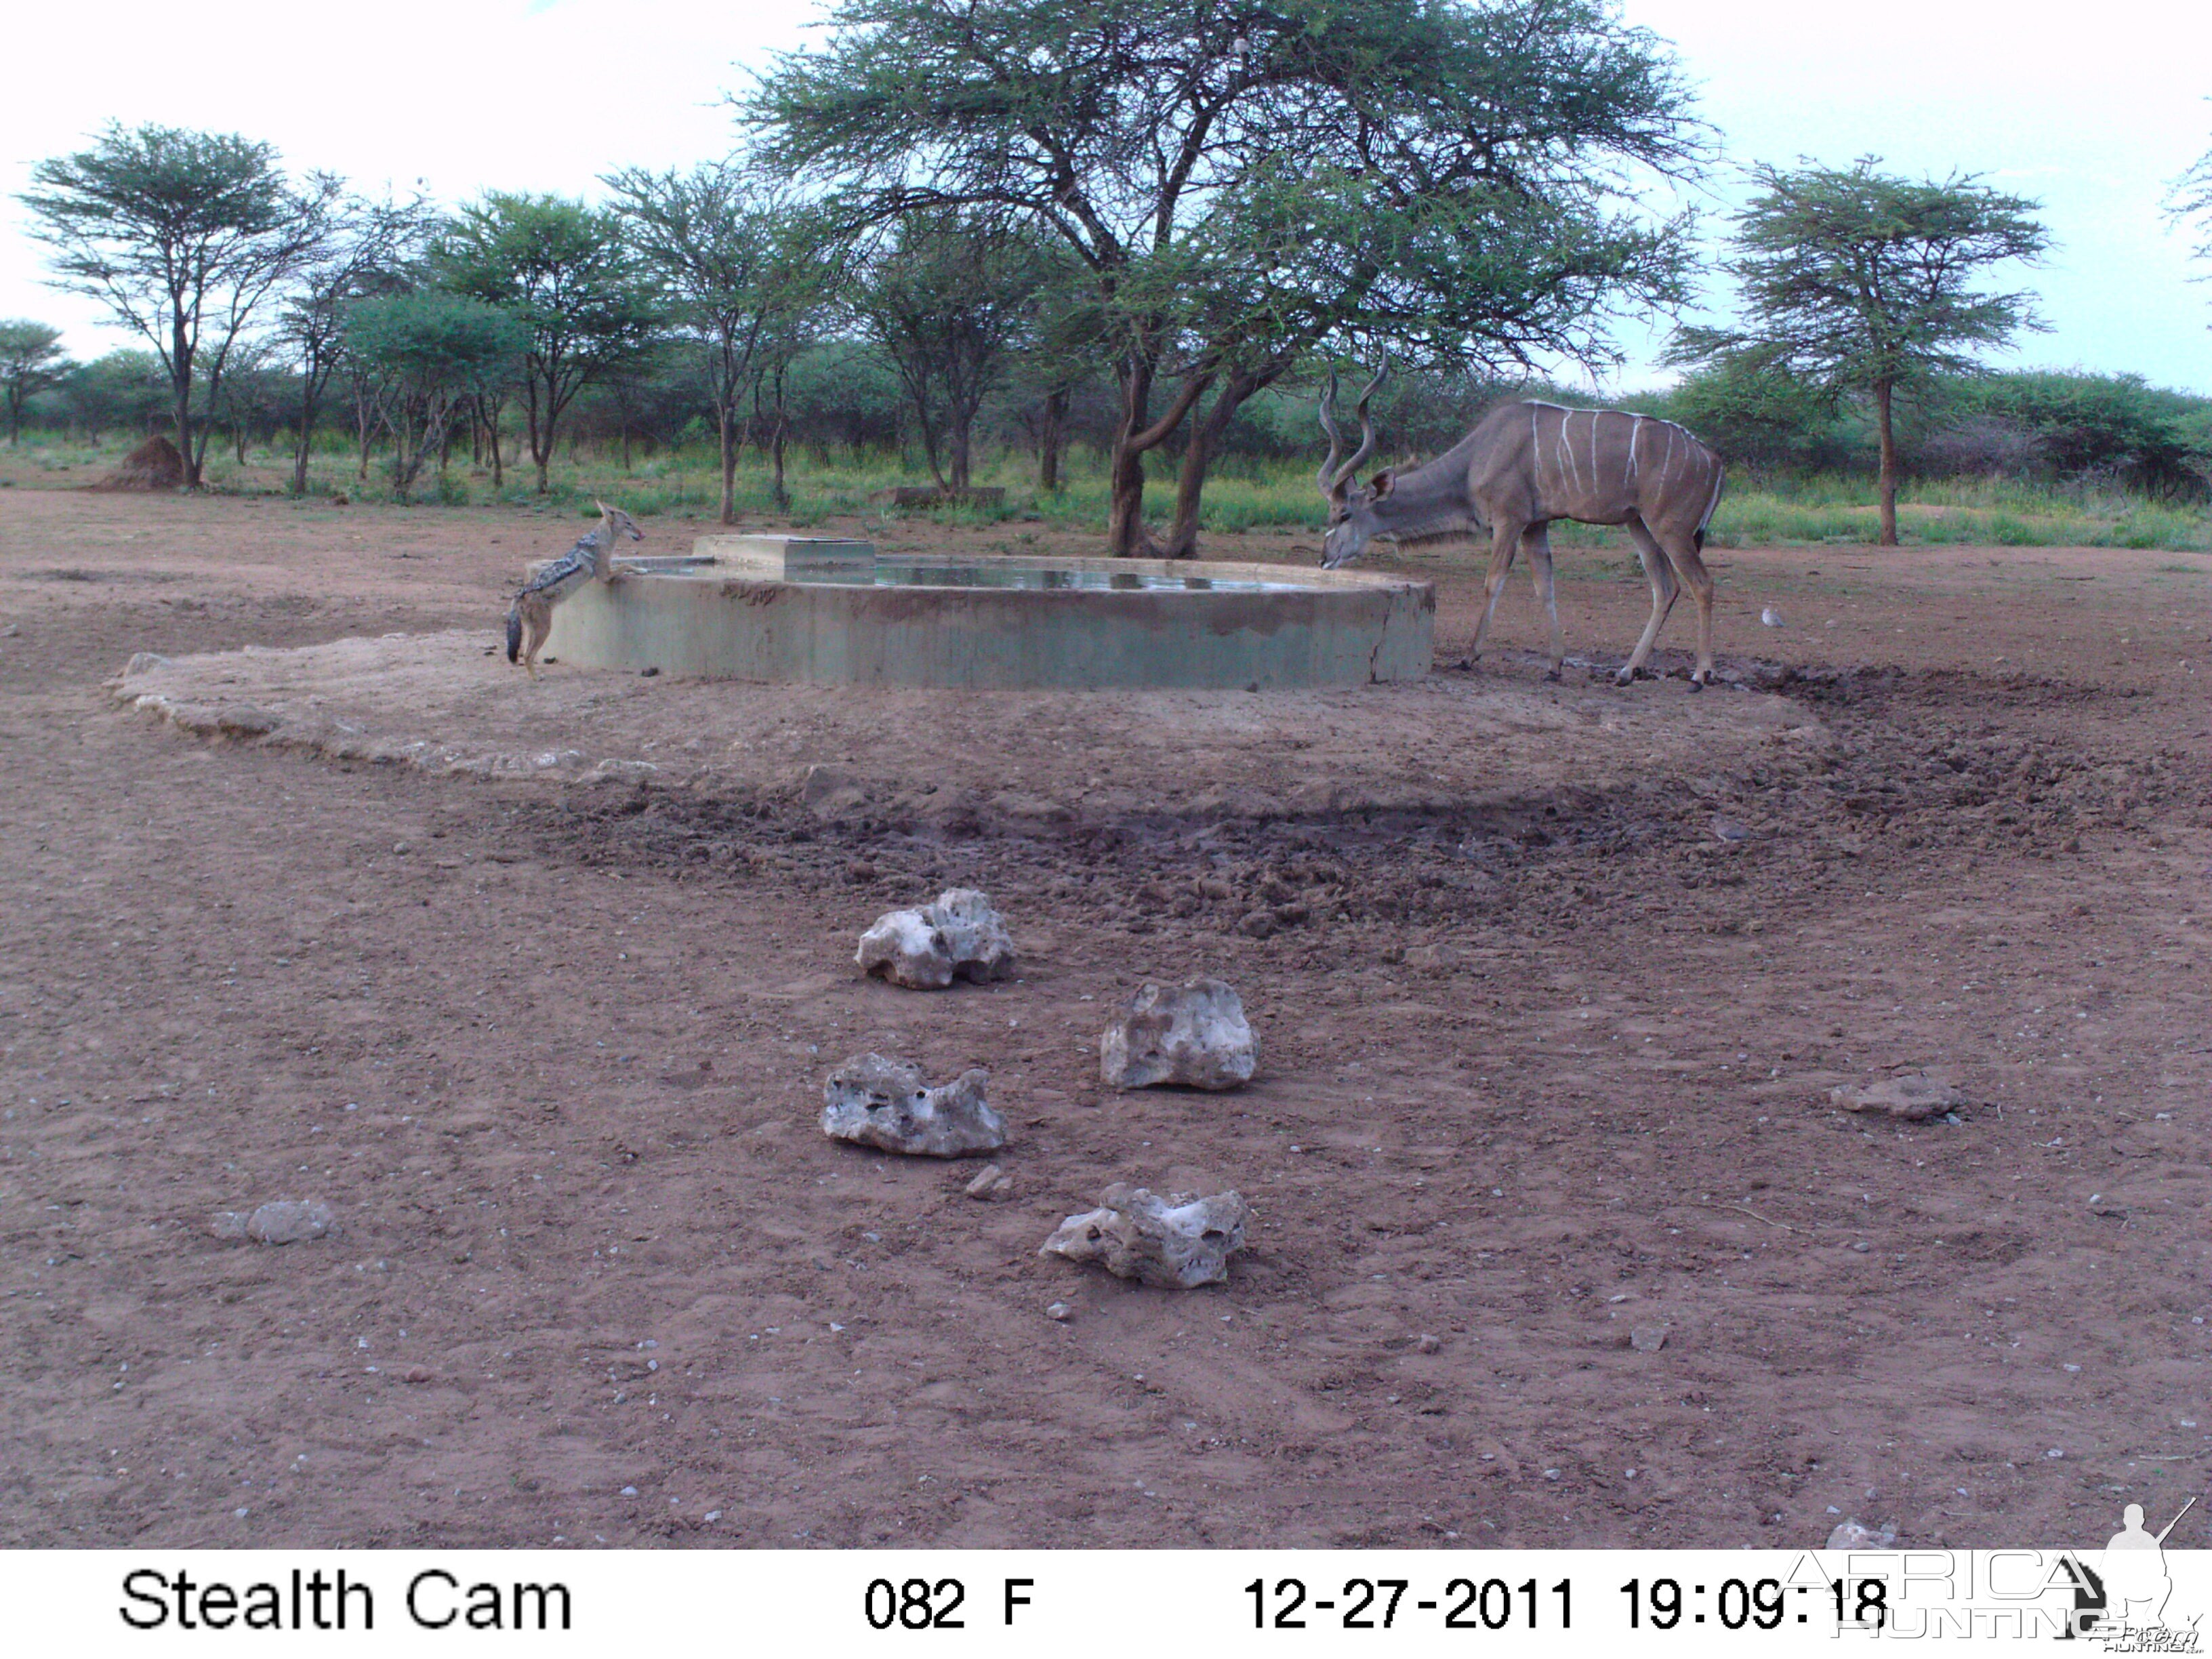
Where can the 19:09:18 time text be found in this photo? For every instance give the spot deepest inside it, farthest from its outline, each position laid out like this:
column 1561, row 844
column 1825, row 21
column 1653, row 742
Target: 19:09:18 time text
column 1377, row 1603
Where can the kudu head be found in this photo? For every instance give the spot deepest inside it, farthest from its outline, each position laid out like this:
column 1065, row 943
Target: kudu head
column 617, row 523
column 1351, row 518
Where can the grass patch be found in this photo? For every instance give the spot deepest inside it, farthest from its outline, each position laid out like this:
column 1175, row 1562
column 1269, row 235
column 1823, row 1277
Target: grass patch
column 685, row 482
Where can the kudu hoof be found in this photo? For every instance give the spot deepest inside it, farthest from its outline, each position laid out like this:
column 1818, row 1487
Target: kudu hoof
column 1553, row 675
column 1696, row 684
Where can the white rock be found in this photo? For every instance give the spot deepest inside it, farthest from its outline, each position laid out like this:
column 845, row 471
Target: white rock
column 1915, row 1095
column 1193, row 1035
column 1852, row 1535
column 1648, row 1339
column 906, row 948
column 958, row 937
column 885, row 1104
column 281, row 1221
column 1771, row 617
column 1174, row 1242
column 981, row 950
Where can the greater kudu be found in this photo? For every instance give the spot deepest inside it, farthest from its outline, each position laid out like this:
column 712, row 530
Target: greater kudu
column 1523, row 466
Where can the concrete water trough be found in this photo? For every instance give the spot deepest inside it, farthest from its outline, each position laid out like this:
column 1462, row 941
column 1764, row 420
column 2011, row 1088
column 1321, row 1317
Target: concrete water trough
column 829, row 612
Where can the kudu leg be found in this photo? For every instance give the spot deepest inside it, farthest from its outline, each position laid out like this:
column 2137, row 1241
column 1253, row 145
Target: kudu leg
column 1537, row 539
column 1505, row 541
column 1659, row 571
column 1682, row 551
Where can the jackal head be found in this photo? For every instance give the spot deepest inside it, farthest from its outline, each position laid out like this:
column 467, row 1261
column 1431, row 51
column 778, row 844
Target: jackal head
column 616, row 522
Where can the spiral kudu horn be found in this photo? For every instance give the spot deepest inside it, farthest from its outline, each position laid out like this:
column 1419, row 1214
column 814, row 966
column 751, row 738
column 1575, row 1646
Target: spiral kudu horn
column 1333, row 477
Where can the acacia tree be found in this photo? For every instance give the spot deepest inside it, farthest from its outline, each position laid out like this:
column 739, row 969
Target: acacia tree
column 431, row 353
column 1158, row 138
column 562, row 271
column 947, row 298
column 183, row 236
column 31, row 360
column 712, row 238
column 1862, row 284
column 368, row 250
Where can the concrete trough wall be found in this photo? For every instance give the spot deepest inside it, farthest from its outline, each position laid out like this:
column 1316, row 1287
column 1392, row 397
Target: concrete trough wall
column 731, row 619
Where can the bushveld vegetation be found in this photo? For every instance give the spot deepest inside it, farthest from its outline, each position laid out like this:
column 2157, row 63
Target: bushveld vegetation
column 988, row 250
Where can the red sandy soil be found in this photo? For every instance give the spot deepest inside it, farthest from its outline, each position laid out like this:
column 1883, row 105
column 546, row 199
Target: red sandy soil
column 1544, row 1060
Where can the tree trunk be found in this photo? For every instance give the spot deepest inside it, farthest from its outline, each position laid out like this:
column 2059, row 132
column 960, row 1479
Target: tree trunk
column 1125, row 482
column 300, row 451
column 541, row 435
column 491, row 412
column 960, row 439
column 180, row 392
column 1882, row 391
column 1197, row 456
column 782, row 496
column 727, row 418
column 1050, row 433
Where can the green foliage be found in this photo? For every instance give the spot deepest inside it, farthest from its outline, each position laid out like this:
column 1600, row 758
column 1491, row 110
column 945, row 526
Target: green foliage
column 1753, row 411
column 31, row 360
column 2110, row 424
column 430, row 353
column 124, row 389
column 947, row 299
column 563, row 271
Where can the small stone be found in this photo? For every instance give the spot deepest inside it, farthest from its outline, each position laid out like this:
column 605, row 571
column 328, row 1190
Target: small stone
column 1771, row 617
column 1731, row 831
column 1429, row 1344
column 1060, row 1311
column 1648, row 1339
column 1862, row 1246
column 885, row 1104
column 1194, row 1035
column 629, row 1491
column 415, row 1374
column 143, row 662
column 1853, row 1533
column 1175, row 1242
column 648, row 673
column 859, row 870
column 281, row 1221
column 1257, row 924
column 401, row 848
column 1914, row 1096
column 985, row 1186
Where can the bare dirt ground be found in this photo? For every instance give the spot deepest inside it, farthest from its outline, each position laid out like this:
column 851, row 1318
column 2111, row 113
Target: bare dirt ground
column 1544, row 1060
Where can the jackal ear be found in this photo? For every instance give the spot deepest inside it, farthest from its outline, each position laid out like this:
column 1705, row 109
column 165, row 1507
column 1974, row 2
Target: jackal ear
column 1384, row 481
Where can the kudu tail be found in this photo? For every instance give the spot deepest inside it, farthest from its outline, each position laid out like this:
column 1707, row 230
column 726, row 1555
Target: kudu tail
column 514, row 630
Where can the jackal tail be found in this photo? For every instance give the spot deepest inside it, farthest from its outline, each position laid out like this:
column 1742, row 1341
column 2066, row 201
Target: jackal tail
column 514, row 630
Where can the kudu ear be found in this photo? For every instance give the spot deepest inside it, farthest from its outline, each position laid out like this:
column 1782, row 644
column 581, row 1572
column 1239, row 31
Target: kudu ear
column 1384, row 481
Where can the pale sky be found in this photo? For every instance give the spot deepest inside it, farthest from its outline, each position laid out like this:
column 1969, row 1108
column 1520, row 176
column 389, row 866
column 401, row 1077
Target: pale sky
column 2092, row 110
